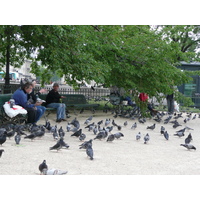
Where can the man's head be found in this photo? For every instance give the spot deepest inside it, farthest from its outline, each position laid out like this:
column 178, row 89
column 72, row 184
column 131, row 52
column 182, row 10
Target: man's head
column 28, row 87
column 55, row 86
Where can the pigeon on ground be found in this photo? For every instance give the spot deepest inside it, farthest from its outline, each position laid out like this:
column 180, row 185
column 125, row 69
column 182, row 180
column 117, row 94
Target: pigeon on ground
column 61, row 132
column 75, row 123
column 107, row 122
column 100, row 135
column 43, row 166
column 118, row 135
column 151, row 127
column 125, row 123
column 188, row 146
column 1, row 151
column 62, row 143
column 179, row 134
column 134, row 126
column 188, row 128
column 113, row 123
column 167, row 119
column 88, row 120
column 110, row 138
column 89, row 151
column 3, row 138
column 95, row 130
column 100, row 122
column 188, row 139
column 85, row 144
column 138, row 136
column 176, row 124
column 54, row 172
column 82, row 137
column 17, row 138
column 194, row 117
column 57, row 146
column 166, row 135
column 10, row 134
column 77, row 133
column 162, row 129
column 68, row 127
column 146, row 138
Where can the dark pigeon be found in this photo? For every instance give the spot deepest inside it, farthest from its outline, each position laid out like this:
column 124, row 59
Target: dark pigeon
column 146, row 138
column 89, row 152
column 110, row 138
column 151, row 127
column 43, row 166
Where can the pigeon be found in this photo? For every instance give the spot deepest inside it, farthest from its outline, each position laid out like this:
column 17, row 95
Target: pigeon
column 88, row 120
column 82, row 137
column 54, row 172
column 151, row 127
column 42, row 166
column 77, row 133
column 134, row 126
column 17, row 138
column 110, row 138
column 188, row 146
column 3, row 138
column 119, row 128
column 10, row 134
column 188, row 139
column 166, row 135
column 100, row 135
column 63, row 144
column 179, row 134
column 176, row 125
column 188, row 128
column 100, row 122
column 107, row 122
column 89, row 151
column 138, row 136
column 61, row 132
column 75, row 123
column 68, row 127
column 162, row 129
column 55, row 135
column 57, row 146
column 194, row 117
column 95, row 130
column 146, row 138
column 88, row 126
column 141, row 120
column 167, row 119
column 85, row 144
column 40, row 133
column 125, row 123
column 118, row 135
column 1, row 151
column 113, row 123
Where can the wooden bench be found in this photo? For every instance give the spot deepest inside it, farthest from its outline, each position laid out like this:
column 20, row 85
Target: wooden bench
column 4, row 118
column 75, row 101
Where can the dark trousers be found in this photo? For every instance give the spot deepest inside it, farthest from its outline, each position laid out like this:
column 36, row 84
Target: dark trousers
column 31, row 115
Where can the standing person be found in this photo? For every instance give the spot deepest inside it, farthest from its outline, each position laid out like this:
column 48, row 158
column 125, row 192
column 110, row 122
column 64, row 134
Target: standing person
column 53, row 101
column 20, row 96
column 170, row 103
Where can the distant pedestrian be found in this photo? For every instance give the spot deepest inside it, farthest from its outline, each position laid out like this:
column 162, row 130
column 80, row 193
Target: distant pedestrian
column 170, row 103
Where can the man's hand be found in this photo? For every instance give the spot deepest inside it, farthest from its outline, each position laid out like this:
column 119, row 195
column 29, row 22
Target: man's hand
column 38, row 103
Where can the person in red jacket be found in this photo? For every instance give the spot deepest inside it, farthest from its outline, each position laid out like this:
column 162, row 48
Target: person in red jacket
column 144, row 97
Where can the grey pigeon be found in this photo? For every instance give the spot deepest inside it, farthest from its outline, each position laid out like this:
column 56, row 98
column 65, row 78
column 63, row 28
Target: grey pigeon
column 188, row 128
column 57, row 146
column 68, row 127
column 188, row 139
column 138, row 136
column 107, row 121
column 188, row 146
column 1, row 151
column 95, row 130
column 110, row 138
column 162, row 129
column 151, row 127
column 77, row 133
column 62, row 143
column 125, row 123
column 134, row 126
column 85, row 144
column 166, row 135
column 43, row 166
column 61, row 132
column 30, row 136
column 118, row 135
column 54, row 172
column 17, row 138
column 89, row 152
column 82, row 137
column 179, row 134
column 146, row 138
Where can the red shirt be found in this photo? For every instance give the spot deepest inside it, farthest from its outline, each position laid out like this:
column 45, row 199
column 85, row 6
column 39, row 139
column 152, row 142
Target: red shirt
column 143, row 96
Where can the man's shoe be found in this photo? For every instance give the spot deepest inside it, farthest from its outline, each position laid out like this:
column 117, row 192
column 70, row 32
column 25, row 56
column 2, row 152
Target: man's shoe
column 64, row 120
column 58, row 120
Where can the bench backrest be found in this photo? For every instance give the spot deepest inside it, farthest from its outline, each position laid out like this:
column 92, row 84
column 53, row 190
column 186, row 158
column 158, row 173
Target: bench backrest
column 70, row 98
column 4, row 98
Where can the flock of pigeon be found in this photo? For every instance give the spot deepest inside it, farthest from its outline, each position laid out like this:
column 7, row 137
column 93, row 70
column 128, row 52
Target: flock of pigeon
column 102, row 130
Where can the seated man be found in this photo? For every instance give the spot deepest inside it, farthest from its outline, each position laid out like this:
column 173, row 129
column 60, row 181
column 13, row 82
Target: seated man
column 21, row 98
column 53, row 101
